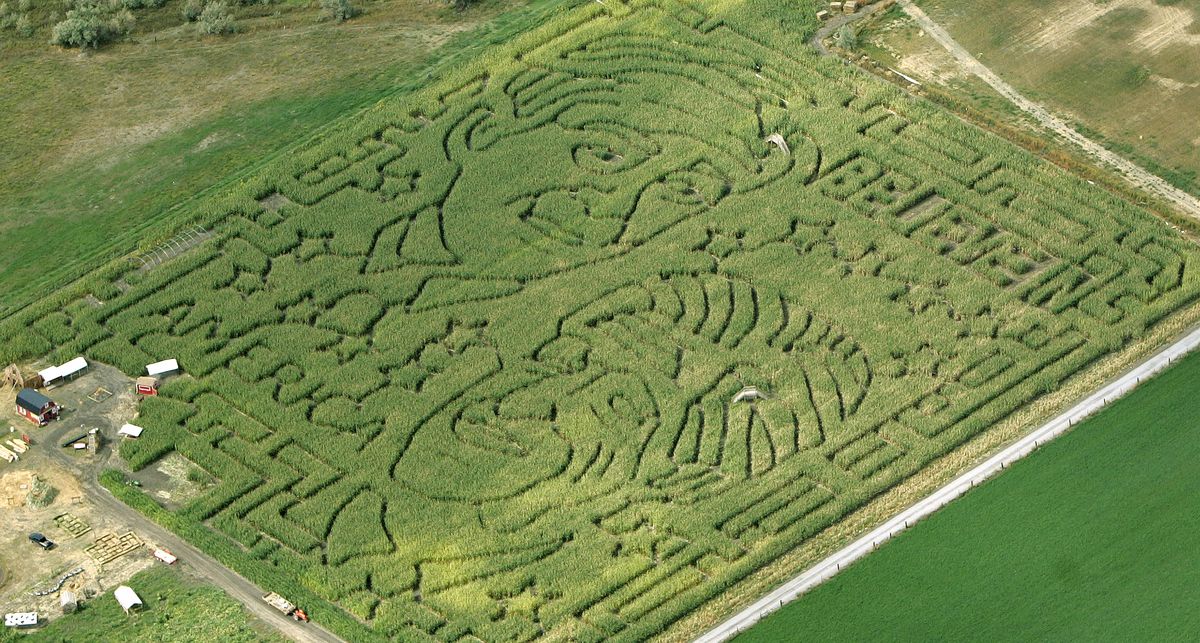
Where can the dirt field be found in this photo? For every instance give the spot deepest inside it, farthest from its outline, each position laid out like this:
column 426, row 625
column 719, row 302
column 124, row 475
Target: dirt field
column 26, row 567
column 1124, row 71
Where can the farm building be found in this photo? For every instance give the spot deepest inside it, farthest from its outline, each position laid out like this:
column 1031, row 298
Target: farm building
column 127, row 598
column 63, row 372
column 35, row 407
column 147, row 385
column 165, row 367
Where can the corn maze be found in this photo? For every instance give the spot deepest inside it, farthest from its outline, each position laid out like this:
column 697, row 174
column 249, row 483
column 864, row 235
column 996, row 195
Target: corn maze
column 466, row 367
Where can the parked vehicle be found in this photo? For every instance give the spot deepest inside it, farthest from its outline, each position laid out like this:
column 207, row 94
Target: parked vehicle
column 41, row 541
column 287, row 607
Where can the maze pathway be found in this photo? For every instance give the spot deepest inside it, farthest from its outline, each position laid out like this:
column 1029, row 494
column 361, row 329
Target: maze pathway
column 466, row 367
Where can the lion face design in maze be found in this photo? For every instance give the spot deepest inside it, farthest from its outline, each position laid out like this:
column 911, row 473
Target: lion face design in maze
column 470, row 364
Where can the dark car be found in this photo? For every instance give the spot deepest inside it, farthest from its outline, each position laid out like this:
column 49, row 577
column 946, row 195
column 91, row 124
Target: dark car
column 41, row 541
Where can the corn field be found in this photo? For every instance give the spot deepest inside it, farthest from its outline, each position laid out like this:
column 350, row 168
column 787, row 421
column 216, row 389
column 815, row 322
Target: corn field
column 465, row 367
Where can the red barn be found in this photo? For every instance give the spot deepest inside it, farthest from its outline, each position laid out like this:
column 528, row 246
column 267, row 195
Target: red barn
column 36, row 408
column 147, row 385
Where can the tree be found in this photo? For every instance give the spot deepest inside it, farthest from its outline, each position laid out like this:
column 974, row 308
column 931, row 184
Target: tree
column 847, row 38
column 192, row 10
column 91, row 23
column 216, row 20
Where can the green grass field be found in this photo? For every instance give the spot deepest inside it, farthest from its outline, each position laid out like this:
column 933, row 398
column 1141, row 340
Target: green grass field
column 466, row 366
column 175, row 608
column 1087, row 539
column 165, row 115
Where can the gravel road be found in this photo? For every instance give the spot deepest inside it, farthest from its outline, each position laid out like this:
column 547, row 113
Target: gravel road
column 204, row 565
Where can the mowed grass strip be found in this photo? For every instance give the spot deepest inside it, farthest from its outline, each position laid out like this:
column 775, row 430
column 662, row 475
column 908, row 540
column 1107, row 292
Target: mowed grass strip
column 1091, row 538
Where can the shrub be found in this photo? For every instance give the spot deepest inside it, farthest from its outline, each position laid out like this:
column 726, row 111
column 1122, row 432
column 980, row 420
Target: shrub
column 192, row 10
column 216, row 20
column 92, row 23
column 847, row 38
column 339, row 10
column 24, row 26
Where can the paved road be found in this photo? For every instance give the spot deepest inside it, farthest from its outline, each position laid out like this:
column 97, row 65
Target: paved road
column 830, row 566
column 1132, row 172
column 235, row 585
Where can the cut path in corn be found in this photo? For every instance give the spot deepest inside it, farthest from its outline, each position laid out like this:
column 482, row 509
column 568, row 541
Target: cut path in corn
column 1061, row 424
column 1138, row 176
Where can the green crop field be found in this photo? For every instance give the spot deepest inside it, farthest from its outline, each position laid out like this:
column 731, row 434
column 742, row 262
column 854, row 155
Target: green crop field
column 1087, row 540
column 466, row 366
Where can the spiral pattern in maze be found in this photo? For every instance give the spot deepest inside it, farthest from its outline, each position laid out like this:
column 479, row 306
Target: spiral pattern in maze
column 466, row 367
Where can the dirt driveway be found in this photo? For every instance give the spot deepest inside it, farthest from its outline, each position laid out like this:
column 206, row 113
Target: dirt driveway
column 73, row 473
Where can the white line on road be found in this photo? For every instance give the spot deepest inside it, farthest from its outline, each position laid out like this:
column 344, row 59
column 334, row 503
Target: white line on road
column 830, row 566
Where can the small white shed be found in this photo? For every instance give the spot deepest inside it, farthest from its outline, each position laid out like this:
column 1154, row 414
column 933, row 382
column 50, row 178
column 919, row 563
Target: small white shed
column 68, row 601
column 165, row 367
column 127, row 598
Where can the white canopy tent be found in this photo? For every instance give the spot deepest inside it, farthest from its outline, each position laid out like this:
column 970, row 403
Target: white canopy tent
column 130, row 431
column 127, row 598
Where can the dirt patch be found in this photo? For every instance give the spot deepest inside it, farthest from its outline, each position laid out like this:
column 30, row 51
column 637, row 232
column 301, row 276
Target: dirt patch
column 274, row 202
column 930, row 65
column 1165, row 26
column 1061, row 26
column 174, row 480
column 28, row 568
column 1172, row 85
column 207, row 141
